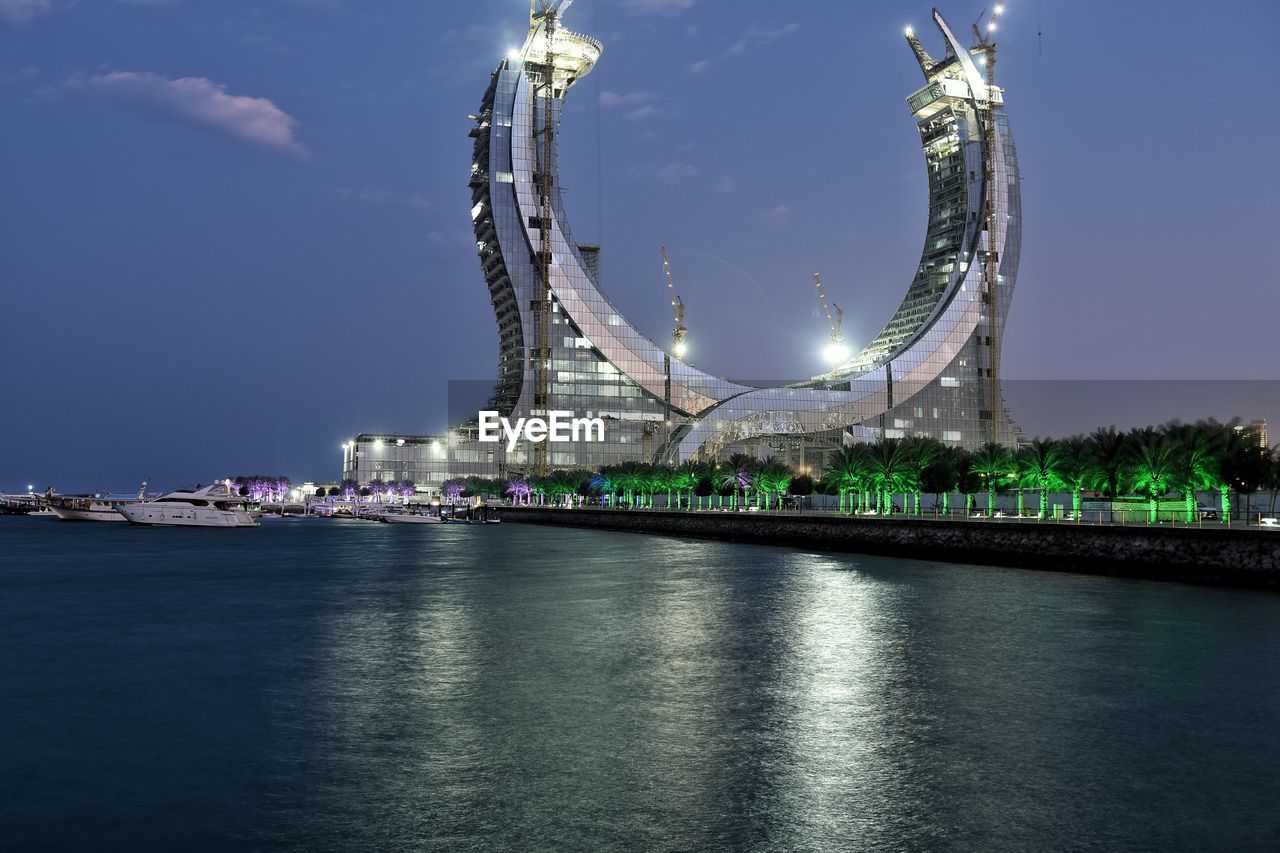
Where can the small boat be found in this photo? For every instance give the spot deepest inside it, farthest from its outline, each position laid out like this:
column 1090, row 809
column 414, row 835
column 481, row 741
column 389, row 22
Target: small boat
column 213, row 506
column 91, row 507
column 409, row 518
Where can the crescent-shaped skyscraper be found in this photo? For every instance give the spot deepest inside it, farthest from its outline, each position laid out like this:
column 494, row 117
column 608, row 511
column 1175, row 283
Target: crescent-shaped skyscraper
column 563, row 345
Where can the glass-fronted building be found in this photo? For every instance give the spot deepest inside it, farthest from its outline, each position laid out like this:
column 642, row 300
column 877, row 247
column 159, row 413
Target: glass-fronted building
column 420, row 459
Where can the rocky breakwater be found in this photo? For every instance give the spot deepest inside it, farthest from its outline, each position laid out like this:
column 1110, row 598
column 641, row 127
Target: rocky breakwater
column 1215, row 556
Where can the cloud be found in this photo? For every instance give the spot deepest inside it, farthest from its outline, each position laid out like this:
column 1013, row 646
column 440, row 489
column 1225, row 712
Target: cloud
column 758, row 36
column 196, row 102
column 777, row 217
column 671, row 173
column 640, row 113
column 374, row 195
column 726, row 185
column 700, row 66
column 657, row 7
column 610, row 100
column 22, row 11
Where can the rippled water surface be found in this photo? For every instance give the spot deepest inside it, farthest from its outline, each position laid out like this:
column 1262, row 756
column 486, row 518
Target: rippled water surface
column 328, row 685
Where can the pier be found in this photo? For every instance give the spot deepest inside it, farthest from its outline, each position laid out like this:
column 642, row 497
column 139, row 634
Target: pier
column 1235, row 557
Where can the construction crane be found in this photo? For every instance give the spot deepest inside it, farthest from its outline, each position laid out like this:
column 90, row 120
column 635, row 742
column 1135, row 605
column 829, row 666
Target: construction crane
column 678, row 330
column 985, row 50
column 836, row 352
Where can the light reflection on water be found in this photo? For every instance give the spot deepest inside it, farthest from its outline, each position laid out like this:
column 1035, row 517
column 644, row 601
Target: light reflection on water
column 314, row 685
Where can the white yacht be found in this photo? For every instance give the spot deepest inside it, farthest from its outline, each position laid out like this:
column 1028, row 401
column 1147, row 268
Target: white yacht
column 213, row 506
column 91, row 507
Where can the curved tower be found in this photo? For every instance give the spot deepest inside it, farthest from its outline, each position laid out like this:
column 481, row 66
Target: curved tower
column 562, row 343
column 934, row 370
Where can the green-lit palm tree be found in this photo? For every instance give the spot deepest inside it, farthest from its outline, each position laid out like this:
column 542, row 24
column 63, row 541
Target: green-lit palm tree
column 1110, row 456
column 685, row 479
column 890, row 467
column 1154, row 469
column 968, row 481
column 630, row 478
column 772, row 479
column 994, row 464
column 848, row 474
column 1075, row 469
column 1038, row 468
column 921, row 454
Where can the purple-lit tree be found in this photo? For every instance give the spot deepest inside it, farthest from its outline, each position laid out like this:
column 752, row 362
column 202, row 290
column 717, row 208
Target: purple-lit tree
column 519, row 489
column 348, row 489
column 452, row 489
column 377, row 488
column 405, row 489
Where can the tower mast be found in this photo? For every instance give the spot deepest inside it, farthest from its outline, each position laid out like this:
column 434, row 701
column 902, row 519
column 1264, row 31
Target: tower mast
column 544, row 125
column 986, row 48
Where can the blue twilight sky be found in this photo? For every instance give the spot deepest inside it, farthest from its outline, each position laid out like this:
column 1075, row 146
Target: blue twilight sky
column 233, row 234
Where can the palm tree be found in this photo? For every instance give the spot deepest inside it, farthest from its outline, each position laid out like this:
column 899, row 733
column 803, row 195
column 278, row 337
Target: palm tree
column 993, row 463
column 1155, row 469
column 519, row 489
column 968, row 481
column 743, row 469
column 602, row 483
column 772, row 478
column 1198, row 449
column 1038, row 467
column 849, row 474
column 921, row 453
column 1109, row 450
column 723, row 478
column 938, row 477
column 684, row 480
column 890, row 466
column 1075, row 468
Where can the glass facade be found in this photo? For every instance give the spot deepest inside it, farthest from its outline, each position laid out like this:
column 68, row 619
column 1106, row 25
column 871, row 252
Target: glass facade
column 421, row 459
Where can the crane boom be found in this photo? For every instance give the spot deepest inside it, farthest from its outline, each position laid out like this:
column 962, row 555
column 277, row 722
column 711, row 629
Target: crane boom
column 835, row 321
column 678, row 330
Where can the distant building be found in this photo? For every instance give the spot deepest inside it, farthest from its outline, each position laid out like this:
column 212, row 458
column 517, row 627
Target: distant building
column 420, row 459
column 1258, row 429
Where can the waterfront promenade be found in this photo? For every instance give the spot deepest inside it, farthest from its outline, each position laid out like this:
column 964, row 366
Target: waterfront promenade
column 1213, row 554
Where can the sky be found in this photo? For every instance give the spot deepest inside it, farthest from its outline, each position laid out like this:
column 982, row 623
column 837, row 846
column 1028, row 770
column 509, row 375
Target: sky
column 234, row 234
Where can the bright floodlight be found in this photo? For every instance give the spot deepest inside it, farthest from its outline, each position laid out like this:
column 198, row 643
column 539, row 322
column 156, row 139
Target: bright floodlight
column 909, row 31
column 999, row 10
column 835, row 353
column 513, row 53
column 680, row 349
column 991, row 27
